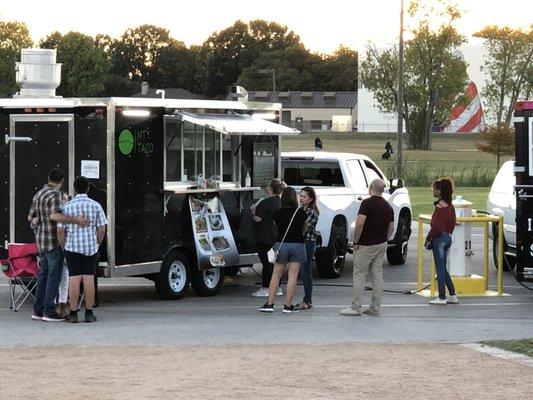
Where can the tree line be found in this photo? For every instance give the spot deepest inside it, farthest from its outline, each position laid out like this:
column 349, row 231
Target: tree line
column 106, row 66
column 435, row 74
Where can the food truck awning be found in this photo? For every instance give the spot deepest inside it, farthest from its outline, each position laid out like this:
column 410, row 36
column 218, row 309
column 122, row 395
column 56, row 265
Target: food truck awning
column 237, row 124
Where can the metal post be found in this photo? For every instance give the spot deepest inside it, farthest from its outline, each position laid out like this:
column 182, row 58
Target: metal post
column 486, row 254
column 500, row 256
column 274, row 80
column 420, row 253
column 399, row 134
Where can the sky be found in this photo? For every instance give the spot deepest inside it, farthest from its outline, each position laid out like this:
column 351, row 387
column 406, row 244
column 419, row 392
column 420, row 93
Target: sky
column 322, row 25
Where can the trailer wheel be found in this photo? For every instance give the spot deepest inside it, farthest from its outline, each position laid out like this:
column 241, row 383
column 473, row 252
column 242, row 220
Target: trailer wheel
column 207, row 282
column 330, row 261
column 232, row 271
column 397, row 255
column 509, row 262
column 172, row 281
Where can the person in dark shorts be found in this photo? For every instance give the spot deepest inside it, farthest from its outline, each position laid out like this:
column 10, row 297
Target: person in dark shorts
column 373, row 228
column 291, row 223
column 266, row 232
column 81, row 247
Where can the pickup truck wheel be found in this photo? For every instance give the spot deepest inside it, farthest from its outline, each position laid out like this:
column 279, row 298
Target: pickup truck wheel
column 172, row 281
column 509, row 262
column 330, row 261
column 207, row 282
column 397, row 255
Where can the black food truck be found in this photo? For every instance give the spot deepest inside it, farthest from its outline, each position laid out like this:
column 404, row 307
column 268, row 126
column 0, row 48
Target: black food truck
column 176, row 178
column 523, row 124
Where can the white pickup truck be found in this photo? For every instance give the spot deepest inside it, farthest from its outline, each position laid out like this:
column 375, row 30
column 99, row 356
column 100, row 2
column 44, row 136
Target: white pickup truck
column 341, row 182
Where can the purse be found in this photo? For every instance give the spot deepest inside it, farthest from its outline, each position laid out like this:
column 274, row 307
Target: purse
column 272, row 254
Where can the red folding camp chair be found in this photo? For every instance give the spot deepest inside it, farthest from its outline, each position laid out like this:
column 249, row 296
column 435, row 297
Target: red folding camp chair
column 21, row 269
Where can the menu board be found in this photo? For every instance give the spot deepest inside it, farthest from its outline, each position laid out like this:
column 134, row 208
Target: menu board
column 214, row 242
column 264, row 164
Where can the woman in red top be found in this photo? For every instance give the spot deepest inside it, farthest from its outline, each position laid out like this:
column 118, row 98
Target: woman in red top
column 439, row 238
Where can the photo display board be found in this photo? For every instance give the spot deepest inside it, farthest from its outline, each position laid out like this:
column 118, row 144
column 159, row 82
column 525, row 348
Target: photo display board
column 214, row 242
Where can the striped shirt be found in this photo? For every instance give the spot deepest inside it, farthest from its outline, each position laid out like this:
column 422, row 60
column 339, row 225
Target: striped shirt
column 46, row 202
column 83, row 240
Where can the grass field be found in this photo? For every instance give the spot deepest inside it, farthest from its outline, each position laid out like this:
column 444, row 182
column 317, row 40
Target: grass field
column 451, row 155
column 524, row 346
column 422, row 199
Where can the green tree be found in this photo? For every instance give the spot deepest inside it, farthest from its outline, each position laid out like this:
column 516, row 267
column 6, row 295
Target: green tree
column 14, row 36
column 225, row 54
column 137, row 52
column 175, row 66
column 509, row 68
column 435, row 75
column 84, row 66
column 341, row 70
column 497, row 140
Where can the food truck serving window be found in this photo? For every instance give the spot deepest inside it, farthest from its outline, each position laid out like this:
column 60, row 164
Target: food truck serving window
column 193, row 149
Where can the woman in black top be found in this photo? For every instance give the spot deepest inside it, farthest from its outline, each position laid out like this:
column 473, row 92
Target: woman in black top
column 266, row 232
column 291, row 223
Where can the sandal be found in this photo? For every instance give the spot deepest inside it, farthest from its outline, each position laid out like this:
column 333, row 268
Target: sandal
column 304, row 306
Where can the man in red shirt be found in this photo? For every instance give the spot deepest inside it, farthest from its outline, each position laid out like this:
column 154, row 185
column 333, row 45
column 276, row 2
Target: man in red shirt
column 373, row 228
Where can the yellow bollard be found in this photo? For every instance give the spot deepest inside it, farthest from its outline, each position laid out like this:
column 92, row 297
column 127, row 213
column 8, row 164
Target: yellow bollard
column 420, row 252
column 432, row 273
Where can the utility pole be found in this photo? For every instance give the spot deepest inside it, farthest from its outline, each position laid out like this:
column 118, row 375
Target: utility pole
column 399, row 135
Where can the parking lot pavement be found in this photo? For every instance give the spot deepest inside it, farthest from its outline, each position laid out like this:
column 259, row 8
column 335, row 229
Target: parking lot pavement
column 131, row 313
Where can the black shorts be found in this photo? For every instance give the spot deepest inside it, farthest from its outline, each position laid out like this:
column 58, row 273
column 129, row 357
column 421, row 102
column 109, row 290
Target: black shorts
column 79, row 264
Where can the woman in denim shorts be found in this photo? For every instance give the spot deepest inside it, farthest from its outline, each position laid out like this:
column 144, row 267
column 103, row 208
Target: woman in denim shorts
column 291, row 223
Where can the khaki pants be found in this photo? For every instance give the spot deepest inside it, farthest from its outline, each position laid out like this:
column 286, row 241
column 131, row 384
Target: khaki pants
column 368, row 258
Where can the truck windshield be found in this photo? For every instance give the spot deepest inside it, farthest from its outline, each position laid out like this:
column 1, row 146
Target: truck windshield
column 311, row 173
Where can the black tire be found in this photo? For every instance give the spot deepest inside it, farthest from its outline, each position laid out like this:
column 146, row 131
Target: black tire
column 397, row 255
column 509, row 262
column 330, row 261
column 207, row 282
column 173, row 279
column 232, row 271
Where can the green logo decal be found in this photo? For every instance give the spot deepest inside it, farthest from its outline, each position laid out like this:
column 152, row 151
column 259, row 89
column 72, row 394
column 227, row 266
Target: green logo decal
column 125, row 142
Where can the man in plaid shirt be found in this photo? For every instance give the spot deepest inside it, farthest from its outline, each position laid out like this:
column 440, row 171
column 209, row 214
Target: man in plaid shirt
column 81, row 246
column 45, row 213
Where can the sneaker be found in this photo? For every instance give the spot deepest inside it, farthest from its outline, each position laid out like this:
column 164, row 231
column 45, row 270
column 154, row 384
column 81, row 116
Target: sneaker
column 73, row 317
column 53, row 318
column 279, row 292
column 267, row 307
column 263, row 292
column 350, row 311
column 452, row 299
column 37, row 316
column 90, row 317
column 369, row 311
column 438, row 301
column 289, row 309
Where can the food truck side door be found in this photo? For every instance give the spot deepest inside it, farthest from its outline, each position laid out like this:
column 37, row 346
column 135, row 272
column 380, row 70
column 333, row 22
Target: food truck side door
column 51, row 145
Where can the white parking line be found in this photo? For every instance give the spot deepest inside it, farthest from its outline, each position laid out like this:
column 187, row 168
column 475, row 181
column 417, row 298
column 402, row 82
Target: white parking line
column 339, row 306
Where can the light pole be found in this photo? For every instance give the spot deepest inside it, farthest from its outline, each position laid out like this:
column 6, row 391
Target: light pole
column 399, row 134
column 268, row 71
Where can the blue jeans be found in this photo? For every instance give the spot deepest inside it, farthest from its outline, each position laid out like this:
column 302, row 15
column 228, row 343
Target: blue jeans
column 306, row 271
column 441, row 245
column 51, row 264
